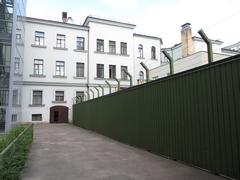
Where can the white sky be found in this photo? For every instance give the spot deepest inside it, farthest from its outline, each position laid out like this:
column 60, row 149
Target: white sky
column 220, row 19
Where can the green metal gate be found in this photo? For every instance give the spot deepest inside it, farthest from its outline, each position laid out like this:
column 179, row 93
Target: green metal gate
column 193, row 116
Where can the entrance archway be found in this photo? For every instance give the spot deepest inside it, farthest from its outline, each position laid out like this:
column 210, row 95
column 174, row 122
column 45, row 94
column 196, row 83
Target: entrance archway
column 59, row 114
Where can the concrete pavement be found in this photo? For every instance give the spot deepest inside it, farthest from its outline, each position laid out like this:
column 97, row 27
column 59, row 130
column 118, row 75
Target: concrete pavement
column 66, row 152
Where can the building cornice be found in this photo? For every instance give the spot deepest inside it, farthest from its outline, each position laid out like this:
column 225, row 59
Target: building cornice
column 195, row 38
column 34, row 83
column 108, row 22
column 147, row 36
column 55, row 23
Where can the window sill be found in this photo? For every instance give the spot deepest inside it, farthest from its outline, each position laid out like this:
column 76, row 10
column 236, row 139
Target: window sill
column 111, row 53
column 97, row 78
column 57, row 48
column 141, row 57
column 38, row 46
column 127, row 55
column 20, row 44
column 59, row 102
column 79, row 50
column 60, row 77
column 16, row 105
column 124, row 80
column 18, row 74
column 76, row 77
column 39, row 76
column 99, row 52
column 154, row 59
column 36, row 105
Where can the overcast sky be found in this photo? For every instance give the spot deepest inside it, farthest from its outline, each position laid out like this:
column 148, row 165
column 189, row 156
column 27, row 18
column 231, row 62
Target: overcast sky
column 220, row 19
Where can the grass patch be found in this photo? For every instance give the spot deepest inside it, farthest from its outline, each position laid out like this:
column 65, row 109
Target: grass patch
column 14, row 148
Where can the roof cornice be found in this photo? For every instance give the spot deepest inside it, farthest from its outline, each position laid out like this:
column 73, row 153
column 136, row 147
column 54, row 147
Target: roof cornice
column 108, row 22
column 56, row 23
column 147, row 36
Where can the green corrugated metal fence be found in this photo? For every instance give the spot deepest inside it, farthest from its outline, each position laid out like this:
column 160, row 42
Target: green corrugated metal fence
column 193, row 116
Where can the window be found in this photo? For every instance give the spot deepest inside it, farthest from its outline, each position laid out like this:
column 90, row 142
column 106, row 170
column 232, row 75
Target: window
column 100, row 45
column 61, row 41
column 153, row 52
column 15, row 97
column 79, row 94
column 80, row 70
column 39, row 38
column 36, row 117
column 37, row 98
column 14, row 117
column 123, row 48
column 100, row 70
column 141, row 76
column 112, row 71
column 18, row 38
column 38, row 67
column 123, row 74
column 59, row 96
column 17, row 66
column 112, row 47
column 140, row 51
column 80, row 43
column 60, row 68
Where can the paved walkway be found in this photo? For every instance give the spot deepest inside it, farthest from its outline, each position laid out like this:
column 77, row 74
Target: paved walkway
column 66, row 152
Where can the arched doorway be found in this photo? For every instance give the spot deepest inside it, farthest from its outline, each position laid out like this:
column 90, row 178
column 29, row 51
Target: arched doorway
column 59, row 114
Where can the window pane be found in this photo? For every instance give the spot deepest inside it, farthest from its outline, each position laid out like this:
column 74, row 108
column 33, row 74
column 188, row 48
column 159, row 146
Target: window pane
column 60, row 68
column 37, row 98
column 59, row 96
column 80, row 43
column 100, row 45
column 80, row 70
column 112, row 46
column 123, row 48
column 112, row 71
column 123, row 74
column 36, row 117
column 100, row 71
column 39, row 38
column 61, row 40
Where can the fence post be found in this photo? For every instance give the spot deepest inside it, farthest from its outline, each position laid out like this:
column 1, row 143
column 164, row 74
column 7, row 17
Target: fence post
column 97, row 91
column 84, row 97
column 92, row 92
column 118, row 86
column 102, row 89
column 130, row 77
column 147, row 71
column 88, row 95
column 170, row 61
column 109, row 85
column 209, row 45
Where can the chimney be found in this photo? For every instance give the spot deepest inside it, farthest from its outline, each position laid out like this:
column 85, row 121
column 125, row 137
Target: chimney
column 64, row 17
column 187, row 42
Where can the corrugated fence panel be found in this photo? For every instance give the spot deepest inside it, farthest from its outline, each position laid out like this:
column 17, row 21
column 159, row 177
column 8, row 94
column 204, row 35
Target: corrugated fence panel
column 193, row 116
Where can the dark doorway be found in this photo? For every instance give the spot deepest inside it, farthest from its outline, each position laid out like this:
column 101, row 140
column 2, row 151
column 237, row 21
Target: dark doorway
column 59, row 114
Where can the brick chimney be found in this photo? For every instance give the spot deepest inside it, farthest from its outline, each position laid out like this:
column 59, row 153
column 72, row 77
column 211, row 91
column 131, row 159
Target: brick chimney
column 64, row 17
column 187, row 42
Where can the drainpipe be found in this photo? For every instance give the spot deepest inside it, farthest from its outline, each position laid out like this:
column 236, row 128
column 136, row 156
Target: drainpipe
column 97, row 91
column 110, row 87
column 147, row 71
column 129, row 75
column 92, row 92
column 102, row 89
column 209, row 45
column 118, row 82
column 170, row 59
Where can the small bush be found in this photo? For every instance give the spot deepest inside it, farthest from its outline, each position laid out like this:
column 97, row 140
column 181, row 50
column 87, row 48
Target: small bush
column 13, row 161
